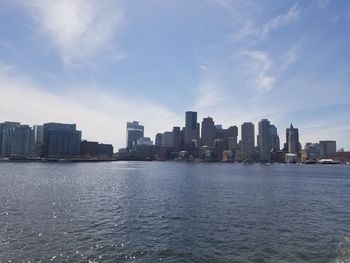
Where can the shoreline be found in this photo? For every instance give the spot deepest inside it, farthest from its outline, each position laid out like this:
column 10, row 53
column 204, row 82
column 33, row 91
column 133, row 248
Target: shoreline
column 77, row 160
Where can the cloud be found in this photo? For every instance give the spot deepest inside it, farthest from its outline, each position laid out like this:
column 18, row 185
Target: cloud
column 77, row 28
column 100, row 116
column 237, row 10
column 249, row 29
column 281, row 20
column 258, row 68
column 210, row 95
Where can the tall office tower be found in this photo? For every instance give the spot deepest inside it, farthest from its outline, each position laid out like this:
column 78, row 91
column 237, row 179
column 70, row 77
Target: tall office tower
column 61, row 140
column 167, row 139
column 134, row 131
column 232, row 131
column 328, row 147
column 264, row 141
column 158, row 139
column 208, row 132
column 232, row 134
column 15, row 139
column 274, row 139
column 191, row 127
column 177, row 139
column 292, row 140
column 247, row 141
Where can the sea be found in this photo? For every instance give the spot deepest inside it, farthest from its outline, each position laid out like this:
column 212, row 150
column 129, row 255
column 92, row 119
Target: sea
column 174, row 212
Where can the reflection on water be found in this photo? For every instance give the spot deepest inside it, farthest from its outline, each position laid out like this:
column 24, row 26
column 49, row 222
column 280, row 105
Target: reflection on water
column 174, row 212
column 344, row 251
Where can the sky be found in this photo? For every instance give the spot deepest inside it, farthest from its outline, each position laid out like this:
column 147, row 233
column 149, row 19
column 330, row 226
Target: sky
column 100, row 64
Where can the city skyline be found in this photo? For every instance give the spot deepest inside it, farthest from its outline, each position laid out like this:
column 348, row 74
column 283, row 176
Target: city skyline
column 235, row 61
column 204, row 132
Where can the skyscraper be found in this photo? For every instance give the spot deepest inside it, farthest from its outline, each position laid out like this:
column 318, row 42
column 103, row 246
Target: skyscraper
column 232, row 134
column 208, row 132
column 61, row 140
column 264, row 141
column 158, row 139
column 134, row 131
column 191, row 127
column 274, row 139
column 247, row 141
column 167, row 139
column 177, row 138
column 292, row 140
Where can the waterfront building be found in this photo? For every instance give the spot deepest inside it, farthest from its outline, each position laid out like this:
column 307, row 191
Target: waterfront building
column 38, row 134
column 232, row 143
column 158, row 139
column 343, row 157
column 177, row 139
column 105, row 150
column 328, row 147
column 16, row 139
column 167, row 139
column 123, row 154
column 247, row 141
column 61, row 140
column 134, row 131
column 219, row 147
column 291, row 158
column 191, row 127
column 144, row 141
column 142, row 152
column 89, row 149
column 292, row 140
column 274, row 139
column 264, row 141
column 208, row 132
column 38, row 139
column 312, row 151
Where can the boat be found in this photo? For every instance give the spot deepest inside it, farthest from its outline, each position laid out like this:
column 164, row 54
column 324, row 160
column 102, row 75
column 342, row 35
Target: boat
column 328, row 161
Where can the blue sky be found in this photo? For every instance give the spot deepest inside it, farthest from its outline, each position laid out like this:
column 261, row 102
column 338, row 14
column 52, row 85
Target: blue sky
column 102, row 63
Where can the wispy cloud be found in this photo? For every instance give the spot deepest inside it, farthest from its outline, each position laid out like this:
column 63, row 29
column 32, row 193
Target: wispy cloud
column 77, row 28
column 258, row 68
column 210, row 94
column 237, row 10
column 281, row 20
column 258, row 30
column 101, row 116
